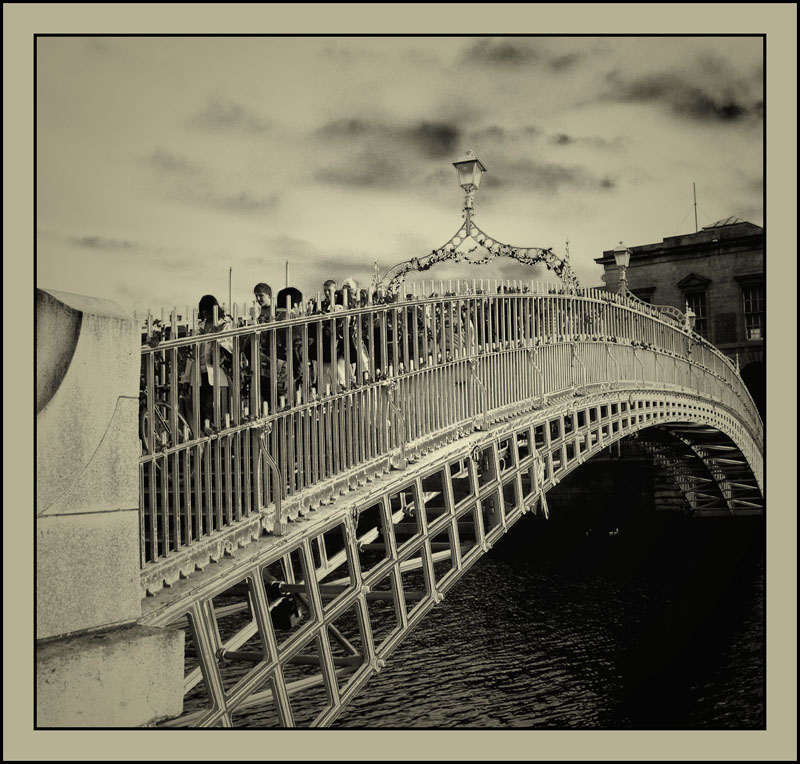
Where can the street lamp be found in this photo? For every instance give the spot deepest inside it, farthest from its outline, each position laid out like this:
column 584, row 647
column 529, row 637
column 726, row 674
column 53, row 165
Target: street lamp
column 622, row 256
column 690, row 318
column 470, row 171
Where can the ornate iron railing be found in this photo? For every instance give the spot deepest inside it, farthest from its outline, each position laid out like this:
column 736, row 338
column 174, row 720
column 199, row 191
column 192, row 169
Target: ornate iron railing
column 247, row 427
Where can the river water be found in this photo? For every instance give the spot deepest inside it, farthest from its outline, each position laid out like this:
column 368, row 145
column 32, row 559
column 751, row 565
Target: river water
column 659, row 627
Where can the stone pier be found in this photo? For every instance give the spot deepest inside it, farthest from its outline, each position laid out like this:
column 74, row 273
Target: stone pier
column 95, row 666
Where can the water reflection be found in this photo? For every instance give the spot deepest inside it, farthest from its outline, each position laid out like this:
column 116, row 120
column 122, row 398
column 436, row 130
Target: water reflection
column 657, row 628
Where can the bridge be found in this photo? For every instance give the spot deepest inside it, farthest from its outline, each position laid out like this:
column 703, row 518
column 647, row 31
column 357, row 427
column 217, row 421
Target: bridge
column 309, row 487
column 294, row 543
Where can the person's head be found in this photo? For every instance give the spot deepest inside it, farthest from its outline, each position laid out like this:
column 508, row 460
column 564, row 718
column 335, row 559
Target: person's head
column 329, row 286
column 263, row 294
column 206, row 307
column 364, row 297
column 292, row 295
column 350, row 292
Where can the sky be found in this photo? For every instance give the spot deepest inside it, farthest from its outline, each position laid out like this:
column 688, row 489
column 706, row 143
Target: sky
column 164, row 161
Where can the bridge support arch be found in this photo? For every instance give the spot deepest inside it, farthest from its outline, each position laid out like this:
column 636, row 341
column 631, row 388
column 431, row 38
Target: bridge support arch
column 298, row 624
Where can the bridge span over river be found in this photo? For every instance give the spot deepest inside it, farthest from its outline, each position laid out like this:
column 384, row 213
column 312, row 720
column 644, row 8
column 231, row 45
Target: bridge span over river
column 240, row 512
column 281, row 529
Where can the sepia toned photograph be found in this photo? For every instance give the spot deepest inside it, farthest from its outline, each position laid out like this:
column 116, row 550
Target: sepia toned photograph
column 400, row 381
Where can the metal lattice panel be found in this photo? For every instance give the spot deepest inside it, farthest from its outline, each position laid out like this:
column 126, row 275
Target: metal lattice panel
column 290, row 628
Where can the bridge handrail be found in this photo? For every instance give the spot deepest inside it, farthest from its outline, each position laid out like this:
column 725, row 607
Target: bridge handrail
column 601, row 297
column 201, row 474
column 665, row 314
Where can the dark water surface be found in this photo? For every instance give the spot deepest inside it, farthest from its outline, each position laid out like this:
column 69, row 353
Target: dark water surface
column 659, row 627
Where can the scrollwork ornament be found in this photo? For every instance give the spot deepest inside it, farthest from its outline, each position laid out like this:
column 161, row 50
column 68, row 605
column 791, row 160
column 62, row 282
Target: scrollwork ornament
column 450, row 252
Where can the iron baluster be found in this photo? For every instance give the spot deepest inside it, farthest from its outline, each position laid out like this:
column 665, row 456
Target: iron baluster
column 264, row 429
column 532, row 352
column 577, row 388
column 391, row 387
column 473, row 369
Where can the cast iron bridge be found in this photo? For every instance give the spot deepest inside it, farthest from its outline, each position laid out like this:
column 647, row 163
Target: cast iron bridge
column 305, row 515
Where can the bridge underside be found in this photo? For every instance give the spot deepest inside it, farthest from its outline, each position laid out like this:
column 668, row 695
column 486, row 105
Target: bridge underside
column 707, row 466
column 290, row 628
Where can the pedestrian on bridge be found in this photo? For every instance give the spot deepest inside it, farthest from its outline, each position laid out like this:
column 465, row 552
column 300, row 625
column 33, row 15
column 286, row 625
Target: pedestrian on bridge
column 212, row 320
column 263, row 296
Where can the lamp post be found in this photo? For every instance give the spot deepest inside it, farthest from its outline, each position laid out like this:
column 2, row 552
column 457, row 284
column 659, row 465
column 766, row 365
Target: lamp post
column 622, row 257
column 470, row 171
column 690, row 318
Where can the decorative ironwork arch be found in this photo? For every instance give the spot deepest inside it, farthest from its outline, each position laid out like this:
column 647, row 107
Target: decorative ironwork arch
column 450, row 252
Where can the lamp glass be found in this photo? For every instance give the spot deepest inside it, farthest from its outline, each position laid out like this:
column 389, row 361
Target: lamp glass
column 622, row 256
column 470, row 171
column 467, row 172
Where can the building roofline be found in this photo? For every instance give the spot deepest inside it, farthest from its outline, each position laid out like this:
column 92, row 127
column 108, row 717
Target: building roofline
column 705, row 238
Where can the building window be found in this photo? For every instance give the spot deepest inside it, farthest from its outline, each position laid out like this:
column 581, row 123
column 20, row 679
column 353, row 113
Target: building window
column 645, row 294
column 697, row 302
column 755, row 325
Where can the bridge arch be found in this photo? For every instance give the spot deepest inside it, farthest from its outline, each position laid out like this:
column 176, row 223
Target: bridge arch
column 472, row 427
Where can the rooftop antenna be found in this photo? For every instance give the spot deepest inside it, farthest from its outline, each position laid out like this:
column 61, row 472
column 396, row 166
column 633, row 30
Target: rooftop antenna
column 694, row 191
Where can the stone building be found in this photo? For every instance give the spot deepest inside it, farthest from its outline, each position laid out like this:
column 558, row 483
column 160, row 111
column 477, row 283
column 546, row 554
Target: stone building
column 719, row 272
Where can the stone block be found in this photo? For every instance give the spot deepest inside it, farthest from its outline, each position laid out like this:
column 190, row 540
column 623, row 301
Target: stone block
column 87, row 354
column 87, row 571
column 125, row 677
column 110, row 480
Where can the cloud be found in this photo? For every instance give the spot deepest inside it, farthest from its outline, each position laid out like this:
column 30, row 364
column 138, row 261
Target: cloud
column 242, row 202
column 371, row 150
column 494, row 134
column 493, row 51
column 595, row 141
column 518, row 52
column 222, row 115
column 168, row 258
column 347, row 128
column 194, row 183
column 368, row 169
column 567, row 61
column 104, row 243
column 172, row 164
column 550, row 177
column 435, row 139
column 715, row 99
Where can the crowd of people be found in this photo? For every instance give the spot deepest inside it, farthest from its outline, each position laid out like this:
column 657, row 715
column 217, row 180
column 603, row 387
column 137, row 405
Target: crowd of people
column 319, row 356
column 294, row 362
column 328, row 356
